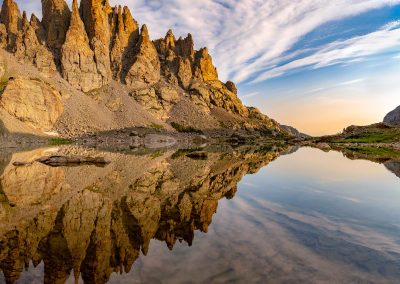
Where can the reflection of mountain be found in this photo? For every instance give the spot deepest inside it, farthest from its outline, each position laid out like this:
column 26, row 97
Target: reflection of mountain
column 389, row 159
column 393, row 166
column 95, row 221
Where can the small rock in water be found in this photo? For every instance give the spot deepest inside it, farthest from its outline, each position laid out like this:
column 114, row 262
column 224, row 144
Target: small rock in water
column 21, row 164
column 200, row 155
column 59, row 161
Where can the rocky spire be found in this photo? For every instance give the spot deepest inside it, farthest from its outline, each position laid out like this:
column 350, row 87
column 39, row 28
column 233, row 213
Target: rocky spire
column 95, row 14
column 28, row 47
column 10, row 16
column 126, row 34
column 56, row 17
column 145, row 70
column 39, row 30
column 77, row 59
column 185, row 47
column 203, row 67
column 170, row 40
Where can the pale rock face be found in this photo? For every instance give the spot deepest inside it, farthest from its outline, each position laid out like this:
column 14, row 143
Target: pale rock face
column 145, row 70
column 33, row 102
column 11, row 17
column 95, row 15
column 56, row 17
column 77, row 61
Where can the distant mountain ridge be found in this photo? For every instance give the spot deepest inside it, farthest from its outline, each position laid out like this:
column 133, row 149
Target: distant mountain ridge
column 94, row 69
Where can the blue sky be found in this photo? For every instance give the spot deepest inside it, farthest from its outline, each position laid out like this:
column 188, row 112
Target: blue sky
column 315, row 64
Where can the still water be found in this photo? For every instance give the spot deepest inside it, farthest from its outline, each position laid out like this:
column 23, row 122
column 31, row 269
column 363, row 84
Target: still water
column 241, row 216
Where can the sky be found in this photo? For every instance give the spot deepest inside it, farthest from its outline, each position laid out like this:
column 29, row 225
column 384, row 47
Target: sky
column 314, row 64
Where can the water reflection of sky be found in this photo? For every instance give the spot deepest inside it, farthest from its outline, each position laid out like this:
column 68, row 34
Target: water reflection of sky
column 309, row 217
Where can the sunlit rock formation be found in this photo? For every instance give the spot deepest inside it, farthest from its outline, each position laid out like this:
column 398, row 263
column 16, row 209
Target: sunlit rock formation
column 98, row 55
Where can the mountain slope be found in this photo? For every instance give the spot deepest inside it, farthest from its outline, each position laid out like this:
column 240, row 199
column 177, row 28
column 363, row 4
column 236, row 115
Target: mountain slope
column 92, row 69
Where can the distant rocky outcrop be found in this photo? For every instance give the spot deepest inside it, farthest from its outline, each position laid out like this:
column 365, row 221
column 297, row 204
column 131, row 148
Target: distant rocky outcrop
column 97, row 49
column 393, row 117
column 295, row 132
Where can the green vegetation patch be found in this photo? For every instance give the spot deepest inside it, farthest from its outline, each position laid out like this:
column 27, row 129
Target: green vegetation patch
column 381, row 152
column 156, row 126
column 3, row 84
column 185, row 129
column 184, row 152
column 373, row 137
column 60, row 141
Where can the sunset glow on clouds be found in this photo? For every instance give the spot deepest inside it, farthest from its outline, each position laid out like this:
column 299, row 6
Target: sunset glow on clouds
column 292, row 54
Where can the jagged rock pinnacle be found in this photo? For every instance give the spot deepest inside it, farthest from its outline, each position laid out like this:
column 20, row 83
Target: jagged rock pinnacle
column 77, row 59
column 56, row 17
column 10, row 16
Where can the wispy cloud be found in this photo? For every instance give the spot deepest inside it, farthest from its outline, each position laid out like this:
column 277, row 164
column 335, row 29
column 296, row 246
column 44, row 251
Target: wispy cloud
column 250, row 95
column 249, row 37
column 353, row 49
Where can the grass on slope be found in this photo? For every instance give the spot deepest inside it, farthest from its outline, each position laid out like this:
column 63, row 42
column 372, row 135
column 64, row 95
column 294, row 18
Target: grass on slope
column 185, row 129
column 371, row 137
column 384, row 152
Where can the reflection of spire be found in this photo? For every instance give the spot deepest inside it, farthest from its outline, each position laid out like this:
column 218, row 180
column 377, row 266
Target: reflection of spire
column 76, row 275
column 97, row 232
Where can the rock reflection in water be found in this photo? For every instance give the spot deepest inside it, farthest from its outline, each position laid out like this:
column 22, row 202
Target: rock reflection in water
column 91, row 222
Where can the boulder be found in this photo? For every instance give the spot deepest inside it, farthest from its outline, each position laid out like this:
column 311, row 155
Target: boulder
column 32, row 101
column 393, row 117
column 231, row 87
column 77, row 59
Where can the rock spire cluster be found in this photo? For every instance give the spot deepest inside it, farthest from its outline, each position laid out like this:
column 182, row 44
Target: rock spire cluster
column 96, row 43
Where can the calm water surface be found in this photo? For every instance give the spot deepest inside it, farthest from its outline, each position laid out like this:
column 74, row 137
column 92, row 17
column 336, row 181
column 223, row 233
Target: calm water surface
column 238, row 217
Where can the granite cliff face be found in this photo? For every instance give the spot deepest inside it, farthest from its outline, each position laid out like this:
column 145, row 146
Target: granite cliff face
column 96, row 49
column 93, row 221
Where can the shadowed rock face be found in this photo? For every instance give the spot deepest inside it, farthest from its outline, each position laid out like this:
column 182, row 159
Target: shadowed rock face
column 393, row 166
column 95, row 221
column 393, row 117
